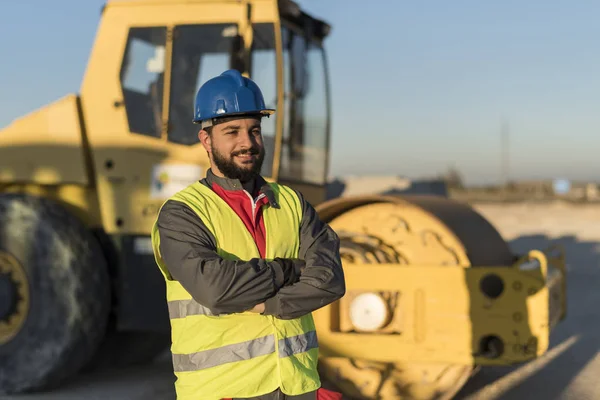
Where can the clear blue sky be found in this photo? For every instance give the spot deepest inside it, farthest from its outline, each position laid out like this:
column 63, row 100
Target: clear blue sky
column 417, row 86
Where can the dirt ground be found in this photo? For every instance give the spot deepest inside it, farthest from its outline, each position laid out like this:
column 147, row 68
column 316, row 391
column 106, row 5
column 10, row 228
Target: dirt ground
column 570, row 368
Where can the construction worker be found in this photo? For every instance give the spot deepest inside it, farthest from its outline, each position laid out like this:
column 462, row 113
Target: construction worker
column 245, row 263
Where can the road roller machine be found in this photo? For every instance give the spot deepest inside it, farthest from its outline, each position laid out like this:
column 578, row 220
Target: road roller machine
column 433, row 291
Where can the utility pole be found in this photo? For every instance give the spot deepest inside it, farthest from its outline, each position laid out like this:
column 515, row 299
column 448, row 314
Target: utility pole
column 505, row 152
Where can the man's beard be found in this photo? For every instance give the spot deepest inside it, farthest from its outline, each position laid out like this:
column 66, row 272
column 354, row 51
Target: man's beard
column 232, row 171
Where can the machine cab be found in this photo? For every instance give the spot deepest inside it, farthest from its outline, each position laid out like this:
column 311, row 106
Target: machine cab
column 140, row 124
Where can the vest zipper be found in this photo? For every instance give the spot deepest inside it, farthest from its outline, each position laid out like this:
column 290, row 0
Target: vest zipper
column 254, row 204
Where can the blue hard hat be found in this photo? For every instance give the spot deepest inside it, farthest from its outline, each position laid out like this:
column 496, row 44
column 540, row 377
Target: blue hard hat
column 226, row 95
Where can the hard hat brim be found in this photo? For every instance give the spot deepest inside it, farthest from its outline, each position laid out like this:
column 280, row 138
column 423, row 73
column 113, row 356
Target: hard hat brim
column 263, row 112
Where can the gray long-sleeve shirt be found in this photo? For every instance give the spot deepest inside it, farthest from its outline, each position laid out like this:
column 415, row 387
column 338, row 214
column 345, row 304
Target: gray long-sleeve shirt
column 189, row 251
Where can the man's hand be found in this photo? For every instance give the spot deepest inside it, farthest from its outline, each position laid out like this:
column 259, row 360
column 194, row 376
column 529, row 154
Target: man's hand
column 259, row 308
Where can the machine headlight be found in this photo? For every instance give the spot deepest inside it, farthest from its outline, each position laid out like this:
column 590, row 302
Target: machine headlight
column 369, row 312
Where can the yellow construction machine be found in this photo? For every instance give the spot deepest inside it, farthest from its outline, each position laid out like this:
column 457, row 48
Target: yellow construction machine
column 433, row 291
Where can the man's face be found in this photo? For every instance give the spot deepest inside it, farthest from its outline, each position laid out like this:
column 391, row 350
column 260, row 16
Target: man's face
column 236, row 148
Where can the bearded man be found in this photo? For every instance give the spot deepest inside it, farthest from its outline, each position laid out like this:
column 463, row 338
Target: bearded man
column 245, row 262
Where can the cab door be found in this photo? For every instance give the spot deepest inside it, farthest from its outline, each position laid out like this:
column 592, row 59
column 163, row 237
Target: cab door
column 138, row 98
column 304, row 158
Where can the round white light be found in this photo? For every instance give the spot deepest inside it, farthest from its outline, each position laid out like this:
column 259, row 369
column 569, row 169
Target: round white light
column 368, row 312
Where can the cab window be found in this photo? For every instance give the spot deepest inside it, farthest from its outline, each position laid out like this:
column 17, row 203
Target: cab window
column 263, row 71
column 142, row 77
column 200, row 52
column 305, row 132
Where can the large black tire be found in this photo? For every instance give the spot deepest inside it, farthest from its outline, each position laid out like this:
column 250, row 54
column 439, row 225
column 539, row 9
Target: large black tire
column 69, row 293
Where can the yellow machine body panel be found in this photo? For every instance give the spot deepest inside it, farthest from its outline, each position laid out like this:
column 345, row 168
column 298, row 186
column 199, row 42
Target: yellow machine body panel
column 442, row 315
column 45, row 147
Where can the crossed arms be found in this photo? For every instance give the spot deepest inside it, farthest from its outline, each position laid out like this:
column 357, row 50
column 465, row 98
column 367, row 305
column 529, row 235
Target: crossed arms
column 288, row 288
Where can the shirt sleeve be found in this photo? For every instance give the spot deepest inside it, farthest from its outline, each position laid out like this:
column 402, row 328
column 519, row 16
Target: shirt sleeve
column 322, row 281
column 189, row 251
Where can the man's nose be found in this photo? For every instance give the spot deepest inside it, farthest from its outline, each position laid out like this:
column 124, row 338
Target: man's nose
column 247, row 140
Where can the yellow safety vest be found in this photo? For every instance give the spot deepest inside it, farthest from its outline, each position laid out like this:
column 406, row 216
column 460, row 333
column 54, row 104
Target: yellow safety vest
column 245, row 354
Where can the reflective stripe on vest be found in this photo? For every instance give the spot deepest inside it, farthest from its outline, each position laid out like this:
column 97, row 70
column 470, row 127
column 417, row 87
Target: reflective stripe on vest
column 244, row 351
column 184, row 308
column 239, row 355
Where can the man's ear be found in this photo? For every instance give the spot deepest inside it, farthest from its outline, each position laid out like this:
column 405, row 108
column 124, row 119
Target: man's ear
column 205, row 139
